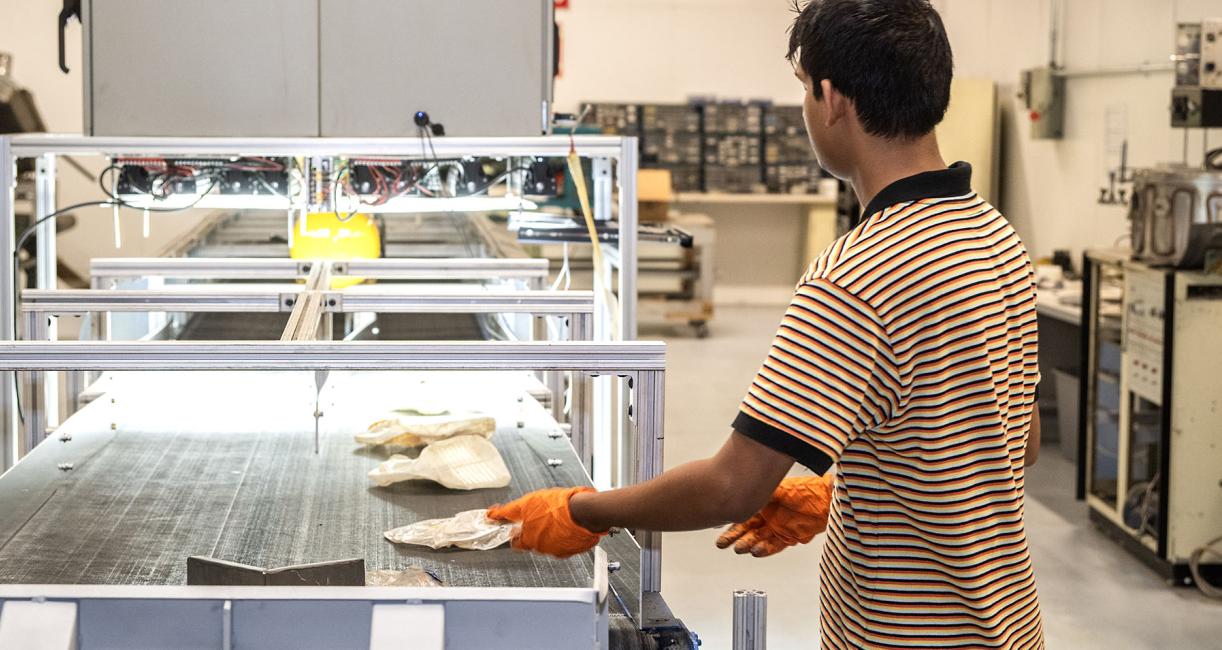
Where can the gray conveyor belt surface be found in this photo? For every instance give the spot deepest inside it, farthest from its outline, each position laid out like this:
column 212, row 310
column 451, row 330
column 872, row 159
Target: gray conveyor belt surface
column 223, row 464
column 215, row 326
column 219, row 326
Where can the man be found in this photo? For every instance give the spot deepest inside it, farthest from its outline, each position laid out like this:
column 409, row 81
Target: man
column 907, row 359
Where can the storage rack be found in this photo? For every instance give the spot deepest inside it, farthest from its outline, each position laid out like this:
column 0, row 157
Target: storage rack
column 720, row 147
column 733, row 140
column 789, row 164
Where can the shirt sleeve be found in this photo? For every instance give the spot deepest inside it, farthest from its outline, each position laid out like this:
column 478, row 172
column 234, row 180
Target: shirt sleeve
column 827, row 378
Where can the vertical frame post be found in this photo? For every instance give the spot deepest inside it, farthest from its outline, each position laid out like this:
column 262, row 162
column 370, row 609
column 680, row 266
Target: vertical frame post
column 8, row 301
column 750, row 619
column 649, row 389
column 581, row 418
column 627, row 238
column 47, row 273
column 37, row 328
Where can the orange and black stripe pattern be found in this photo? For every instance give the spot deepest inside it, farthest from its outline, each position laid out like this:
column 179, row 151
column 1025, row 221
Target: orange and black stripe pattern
column 908, row 359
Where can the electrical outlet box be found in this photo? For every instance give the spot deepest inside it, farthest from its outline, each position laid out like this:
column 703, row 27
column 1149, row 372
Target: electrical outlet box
column 1043, row 91
column 1188, row 54
column 1196, row 107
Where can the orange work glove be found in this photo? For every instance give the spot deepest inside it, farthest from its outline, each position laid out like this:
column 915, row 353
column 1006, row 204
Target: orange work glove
column 547, row 523
column 796, row 513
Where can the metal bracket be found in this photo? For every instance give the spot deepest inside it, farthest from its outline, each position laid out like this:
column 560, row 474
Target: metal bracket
column 333, row 301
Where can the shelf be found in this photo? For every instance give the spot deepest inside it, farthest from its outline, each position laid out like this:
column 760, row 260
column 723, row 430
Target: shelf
column 708, row 198
column 1053, row 308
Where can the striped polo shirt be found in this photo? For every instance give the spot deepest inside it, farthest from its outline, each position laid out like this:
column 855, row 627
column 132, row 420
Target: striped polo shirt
column 907, row 358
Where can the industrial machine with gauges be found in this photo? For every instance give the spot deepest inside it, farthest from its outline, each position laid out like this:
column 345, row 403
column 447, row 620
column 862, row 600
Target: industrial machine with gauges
column 1151, row 467
column 1176, row 210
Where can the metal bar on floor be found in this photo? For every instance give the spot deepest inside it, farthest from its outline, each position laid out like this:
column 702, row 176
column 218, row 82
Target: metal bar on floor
column 750, row 620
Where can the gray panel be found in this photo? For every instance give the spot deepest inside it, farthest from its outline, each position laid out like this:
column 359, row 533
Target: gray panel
column 134, row 624
column 217, row 68
column 302, row 625
column 520, row 625
column 480, row 67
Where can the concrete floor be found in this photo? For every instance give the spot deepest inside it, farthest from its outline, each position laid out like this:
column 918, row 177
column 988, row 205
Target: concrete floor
column 1093, row 594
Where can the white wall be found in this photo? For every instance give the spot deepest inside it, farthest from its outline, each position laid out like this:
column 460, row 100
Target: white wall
column 668, row 50
column 1050, row 188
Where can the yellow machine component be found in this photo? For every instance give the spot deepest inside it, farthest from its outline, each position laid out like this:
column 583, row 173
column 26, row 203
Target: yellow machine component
column 328, row 236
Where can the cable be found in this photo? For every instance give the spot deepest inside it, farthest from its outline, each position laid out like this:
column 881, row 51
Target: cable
column 1194, row 565
column 115, row 200
column 1213, row 160
column 25, row 234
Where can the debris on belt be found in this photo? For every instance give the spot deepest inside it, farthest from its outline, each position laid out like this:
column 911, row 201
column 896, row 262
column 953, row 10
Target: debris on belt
column 462, row 463
column 471, row 530
column 410, row 577
column 417, row 430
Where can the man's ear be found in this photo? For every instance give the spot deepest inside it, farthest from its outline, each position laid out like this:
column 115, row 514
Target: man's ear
column 838, row 106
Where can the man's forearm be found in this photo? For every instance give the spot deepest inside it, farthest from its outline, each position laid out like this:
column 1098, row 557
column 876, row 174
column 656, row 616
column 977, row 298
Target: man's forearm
column 726, row 488
column 685, row 498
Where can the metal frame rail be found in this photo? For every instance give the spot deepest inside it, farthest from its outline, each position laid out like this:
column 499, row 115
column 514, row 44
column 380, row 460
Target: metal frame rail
column 607, row 154
column 105, row 270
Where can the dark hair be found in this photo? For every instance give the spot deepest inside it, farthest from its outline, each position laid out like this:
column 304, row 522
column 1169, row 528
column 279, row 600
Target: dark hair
column 891, row 57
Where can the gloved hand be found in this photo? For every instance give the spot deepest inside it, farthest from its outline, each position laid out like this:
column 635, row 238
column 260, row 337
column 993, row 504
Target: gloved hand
column 547, row 523
column 796, row 513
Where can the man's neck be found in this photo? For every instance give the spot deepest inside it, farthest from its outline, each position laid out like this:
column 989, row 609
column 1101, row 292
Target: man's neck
column 884, row 162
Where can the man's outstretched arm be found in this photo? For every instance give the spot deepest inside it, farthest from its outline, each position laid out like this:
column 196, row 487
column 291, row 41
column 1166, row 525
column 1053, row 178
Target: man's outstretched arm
column 729, row 487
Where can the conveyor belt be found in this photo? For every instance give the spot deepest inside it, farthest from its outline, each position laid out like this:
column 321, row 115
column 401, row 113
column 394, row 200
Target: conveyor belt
column 429, row 327
column 222, row 464
column 234, row 327
column 391, row 327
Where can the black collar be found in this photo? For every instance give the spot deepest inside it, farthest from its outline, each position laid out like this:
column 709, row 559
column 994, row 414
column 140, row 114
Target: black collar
column 955, row 180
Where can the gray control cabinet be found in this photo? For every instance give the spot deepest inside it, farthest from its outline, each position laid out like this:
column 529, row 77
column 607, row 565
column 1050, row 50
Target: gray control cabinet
column 300, row 68
column 479, row 67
